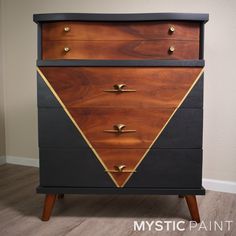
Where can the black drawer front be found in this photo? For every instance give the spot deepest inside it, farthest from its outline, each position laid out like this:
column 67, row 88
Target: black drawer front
column 169, row 168
column 47, row 99
column 56, row 130
column 72, row 168
column 183, row 131
column 161, row 168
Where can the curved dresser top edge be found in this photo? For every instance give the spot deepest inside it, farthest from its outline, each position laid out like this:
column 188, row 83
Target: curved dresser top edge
column 50, row 17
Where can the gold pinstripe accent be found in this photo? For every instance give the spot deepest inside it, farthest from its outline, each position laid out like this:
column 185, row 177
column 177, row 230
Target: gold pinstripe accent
column 89, row 144
column 74, row 122
column 198, row 77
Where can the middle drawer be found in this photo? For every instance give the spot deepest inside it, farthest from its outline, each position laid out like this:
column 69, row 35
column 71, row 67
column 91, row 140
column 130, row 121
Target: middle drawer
column 184, row 130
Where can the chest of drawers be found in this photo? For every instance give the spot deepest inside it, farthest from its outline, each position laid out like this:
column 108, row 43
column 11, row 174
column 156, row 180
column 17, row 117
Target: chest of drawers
column 120, row 105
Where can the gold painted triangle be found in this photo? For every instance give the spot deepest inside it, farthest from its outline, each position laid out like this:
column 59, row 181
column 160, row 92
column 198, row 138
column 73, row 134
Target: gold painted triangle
column 150, row 121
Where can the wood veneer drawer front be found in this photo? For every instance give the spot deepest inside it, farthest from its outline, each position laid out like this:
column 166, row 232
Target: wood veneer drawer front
column 120, row 127
column 141, row 126
column 45, row 97
column 69, row 30
column 161, row 168
column 120, row 49
column 99, row 86
column 56, row 130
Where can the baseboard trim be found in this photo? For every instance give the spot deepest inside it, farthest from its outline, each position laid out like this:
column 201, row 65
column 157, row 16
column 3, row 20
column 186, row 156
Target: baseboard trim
column 23, row 161
column 2, row 160
column 209, row 184
column 219, row 185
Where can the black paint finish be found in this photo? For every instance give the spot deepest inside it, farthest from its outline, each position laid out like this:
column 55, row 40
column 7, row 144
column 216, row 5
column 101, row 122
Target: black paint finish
column 39, row 36
column 72, row 168
column 161, row 168
column 122, row 191
column 120, row 17
column 201, row 40
column 123, row 63
column 45, row 97
column 57, row 130
column 195, row 97
column 169, row 168
column 183, row 131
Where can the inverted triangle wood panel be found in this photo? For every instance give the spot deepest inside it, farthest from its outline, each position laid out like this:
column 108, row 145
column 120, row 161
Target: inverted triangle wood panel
column 95, row 120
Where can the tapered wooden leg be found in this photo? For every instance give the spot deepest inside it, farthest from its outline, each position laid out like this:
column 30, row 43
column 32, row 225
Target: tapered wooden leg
column 60, row 196
column 181, row 196
column 193, row 208
column 48, row 206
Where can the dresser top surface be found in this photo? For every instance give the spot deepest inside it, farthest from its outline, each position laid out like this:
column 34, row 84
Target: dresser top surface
column 50, row 17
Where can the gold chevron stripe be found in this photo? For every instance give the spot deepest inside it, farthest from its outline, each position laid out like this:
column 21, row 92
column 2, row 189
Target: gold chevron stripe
column 74, row 122
column 198, row 77
column 89, row 144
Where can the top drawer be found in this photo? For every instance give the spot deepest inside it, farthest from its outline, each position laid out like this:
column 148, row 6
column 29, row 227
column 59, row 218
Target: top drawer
column 79, row 30
column 120, row 40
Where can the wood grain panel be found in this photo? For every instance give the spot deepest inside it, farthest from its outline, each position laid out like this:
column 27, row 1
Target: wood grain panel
column 120, row 30
column 46, row 99
column 120, row 177
column 155, row 87
column 120, row 49
column 147, row 122
column 56, row 130
column 116, row 157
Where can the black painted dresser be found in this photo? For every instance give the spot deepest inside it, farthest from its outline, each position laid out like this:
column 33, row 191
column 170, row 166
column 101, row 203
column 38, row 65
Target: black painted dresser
column 120, row 105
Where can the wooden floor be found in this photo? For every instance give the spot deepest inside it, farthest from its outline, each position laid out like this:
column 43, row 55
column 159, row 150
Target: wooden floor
column 93, row 215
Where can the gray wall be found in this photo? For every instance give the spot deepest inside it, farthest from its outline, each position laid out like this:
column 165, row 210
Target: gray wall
column 220, row 83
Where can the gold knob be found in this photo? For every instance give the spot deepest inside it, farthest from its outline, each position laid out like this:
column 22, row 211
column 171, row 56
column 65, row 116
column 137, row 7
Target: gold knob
column 119, row 87
column 67, row 29
column 172, row 29
column 66, row 49
column 119, row 127
column 120, row 168
column 171, row 48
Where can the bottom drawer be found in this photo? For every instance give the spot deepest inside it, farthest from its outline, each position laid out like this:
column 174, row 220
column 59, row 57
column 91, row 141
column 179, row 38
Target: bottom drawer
column 161, row 168
column 169, row 168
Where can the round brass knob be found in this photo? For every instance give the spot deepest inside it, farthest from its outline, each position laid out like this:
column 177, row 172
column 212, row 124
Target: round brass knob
column 172, row 29
column 67, row 29
column 171, row 49
column 66, row 49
